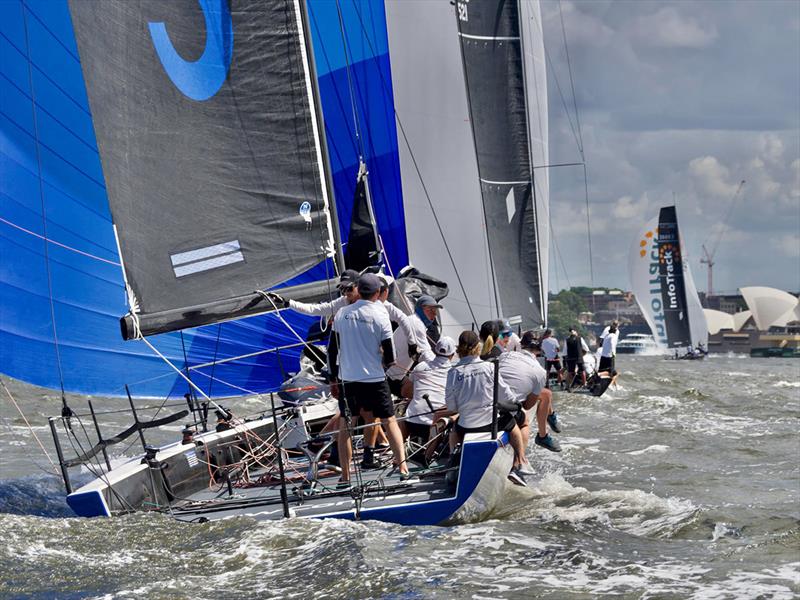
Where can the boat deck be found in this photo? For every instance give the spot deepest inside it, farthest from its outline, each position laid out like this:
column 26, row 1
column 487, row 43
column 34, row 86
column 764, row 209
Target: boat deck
column 380, row 488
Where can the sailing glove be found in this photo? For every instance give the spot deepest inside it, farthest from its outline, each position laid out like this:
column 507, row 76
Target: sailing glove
column 279, row 301
column 413, row 352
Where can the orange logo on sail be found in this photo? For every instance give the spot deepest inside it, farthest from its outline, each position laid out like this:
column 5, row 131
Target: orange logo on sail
column 643, row 243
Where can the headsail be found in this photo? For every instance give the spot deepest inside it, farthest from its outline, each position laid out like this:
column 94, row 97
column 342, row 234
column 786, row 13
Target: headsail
column 662, row 283
column 496, row 77
column 442, row 193
column 215, row 169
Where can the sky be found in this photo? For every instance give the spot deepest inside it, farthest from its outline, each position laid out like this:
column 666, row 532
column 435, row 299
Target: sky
column 677, row 101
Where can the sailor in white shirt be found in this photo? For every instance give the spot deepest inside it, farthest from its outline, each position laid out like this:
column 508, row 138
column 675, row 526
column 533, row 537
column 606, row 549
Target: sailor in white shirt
column 550, row 349
column 346, row 286
column 405, row 342
column 527, row 380
column 470, row 393
column 360, row 346
column 508, row 340
column 609, row 350
column 429, row 378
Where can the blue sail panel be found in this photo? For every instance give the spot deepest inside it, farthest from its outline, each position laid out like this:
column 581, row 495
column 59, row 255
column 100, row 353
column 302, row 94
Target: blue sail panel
column 364, row 24
column 52, row 186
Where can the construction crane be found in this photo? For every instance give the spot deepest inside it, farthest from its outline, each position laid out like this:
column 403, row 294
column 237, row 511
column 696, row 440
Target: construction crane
column 708, row 257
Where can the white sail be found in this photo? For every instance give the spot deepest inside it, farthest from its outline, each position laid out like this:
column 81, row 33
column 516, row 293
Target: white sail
column 698, row 326
column 643, row 272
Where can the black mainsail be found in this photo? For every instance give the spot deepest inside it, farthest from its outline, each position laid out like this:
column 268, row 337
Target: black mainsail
column 494, row 71
column 671, row 279
column 214, row 159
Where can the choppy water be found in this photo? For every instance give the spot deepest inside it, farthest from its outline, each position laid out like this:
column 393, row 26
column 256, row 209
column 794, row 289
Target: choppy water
column 684, row 484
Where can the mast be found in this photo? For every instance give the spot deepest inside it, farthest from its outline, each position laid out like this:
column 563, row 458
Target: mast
column 302, row 9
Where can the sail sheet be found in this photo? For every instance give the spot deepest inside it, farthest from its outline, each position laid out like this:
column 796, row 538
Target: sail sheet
column 661, row 281
column 214, row 167
column 495, row 76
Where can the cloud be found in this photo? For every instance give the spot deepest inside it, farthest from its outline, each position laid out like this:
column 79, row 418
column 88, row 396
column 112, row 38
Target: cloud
column 667, row 28
column 788, row 245
column 711, row 177
column 627, row 208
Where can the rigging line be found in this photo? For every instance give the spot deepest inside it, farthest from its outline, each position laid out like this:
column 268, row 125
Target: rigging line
column 588, row 226
column 387, row 90
column 571, row 82
column 179, row 372
column 55, row 243
column 475, row 146
column 24, row 418
column 345, row 48
column 44, row 210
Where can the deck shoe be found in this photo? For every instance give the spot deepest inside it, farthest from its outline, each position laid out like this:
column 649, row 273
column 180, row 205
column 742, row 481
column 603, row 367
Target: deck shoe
column 525, row 469
column 343, row 484
column 381, row 447
column 516, row 478
column 408, row 478
column 548, row 442
column 552, row 420
column 370, row 464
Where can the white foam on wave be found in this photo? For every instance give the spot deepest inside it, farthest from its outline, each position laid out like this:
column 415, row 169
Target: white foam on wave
column 776, row 584
column 633, row 511
column 786, row 384
column 653, row 448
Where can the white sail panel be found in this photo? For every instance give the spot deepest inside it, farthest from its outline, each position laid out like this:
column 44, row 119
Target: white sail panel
column 643, row 272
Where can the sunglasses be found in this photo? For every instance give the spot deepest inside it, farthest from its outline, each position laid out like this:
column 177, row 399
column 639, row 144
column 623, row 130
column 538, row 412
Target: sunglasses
column 347, row 288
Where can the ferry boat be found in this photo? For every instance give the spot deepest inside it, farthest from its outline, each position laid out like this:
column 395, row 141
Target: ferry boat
column 638, row 343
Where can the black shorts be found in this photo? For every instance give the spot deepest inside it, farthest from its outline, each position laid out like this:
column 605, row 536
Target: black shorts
column 606, row 363
column 395, row 385
column 418, row 430
column 369, row 396
column 550, row 364
column 574, row 364
column 505, row 422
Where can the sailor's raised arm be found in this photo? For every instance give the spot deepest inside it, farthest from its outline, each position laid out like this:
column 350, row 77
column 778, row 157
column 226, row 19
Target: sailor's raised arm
column 321, row 309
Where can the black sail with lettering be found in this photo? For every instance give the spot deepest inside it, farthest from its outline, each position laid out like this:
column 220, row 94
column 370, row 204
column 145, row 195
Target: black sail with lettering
column 494, row 71
column 670, row 272
column 206, row 119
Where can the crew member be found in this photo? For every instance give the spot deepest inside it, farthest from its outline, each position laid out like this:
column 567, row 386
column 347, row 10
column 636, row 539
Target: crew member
column 470, row 393
column 550, row 348
column 426, row 385
column 575, row 346
column 360, row 348
column 609, row 350
column 414, row 347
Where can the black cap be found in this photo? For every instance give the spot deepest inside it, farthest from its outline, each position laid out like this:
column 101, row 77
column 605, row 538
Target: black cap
column 348, row 278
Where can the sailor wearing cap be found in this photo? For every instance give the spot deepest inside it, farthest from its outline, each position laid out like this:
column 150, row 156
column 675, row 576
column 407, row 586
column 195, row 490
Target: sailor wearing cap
column 428, row 378
column 347, row 288
column 425, row 313
column 528, row 380
column 360, row 347
column 508, row 340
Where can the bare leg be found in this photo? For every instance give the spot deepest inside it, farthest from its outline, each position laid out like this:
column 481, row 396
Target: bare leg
column 345, row 449
column 545, row 401
column 332, row 424
column 396, row 443
column 371, row 432
column 380, row 437
column 516, row 443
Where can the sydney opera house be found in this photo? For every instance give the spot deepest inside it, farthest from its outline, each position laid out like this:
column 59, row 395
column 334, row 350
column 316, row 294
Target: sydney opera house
column 769, row 327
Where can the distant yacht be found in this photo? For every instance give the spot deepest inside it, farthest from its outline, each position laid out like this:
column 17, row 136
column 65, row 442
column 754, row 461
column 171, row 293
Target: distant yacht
column 638, row 343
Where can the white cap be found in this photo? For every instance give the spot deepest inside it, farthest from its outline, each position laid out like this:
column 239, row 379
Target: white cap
column 445, row 346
